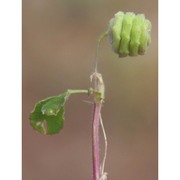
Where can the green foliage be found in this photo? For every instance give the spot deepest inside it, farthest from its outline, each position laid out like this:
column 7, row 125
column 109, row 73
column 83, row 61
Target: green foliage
column 129, row 34
column 48, row 114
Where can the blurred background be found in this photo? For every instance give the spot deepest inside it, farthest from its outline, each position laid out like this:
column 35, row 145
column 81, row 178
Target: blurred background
column 59, row 43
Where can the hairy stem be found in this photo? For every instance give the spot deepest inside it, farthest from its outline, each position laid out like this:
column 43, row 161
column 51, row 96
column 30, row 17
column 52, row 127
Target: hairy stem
column 95, row 141
column 98, row 101
column 98, row 92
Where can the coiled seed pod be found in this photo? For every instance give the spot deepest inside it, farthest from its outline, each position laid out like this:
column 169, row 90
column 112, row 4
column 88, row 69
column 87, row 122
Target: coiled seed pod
column 129, row 34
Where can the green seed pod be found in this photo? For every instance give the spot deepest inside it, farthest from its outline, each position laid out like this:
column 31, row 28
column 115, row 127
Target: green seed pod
column 116, row 25
column 129, row 34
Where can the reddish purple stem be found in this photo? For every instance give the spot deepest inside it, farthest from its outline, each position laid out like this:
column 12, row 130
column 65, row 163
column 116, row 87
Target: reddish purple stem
column 95, row 141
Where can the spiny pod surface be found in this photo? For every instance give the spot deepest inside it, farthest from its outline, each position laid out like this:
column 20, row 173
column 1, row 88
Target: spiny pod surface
column 129, row 34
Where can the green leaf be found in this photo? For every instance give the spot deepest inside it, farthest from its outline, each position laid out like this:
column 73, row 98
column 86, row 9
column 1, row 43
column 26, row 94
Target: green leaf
column 48, row 114
column 52, row 107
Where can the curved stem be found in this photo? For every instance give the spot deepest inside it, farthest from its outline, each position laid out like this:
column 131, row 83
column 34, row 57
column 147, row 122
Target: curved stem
column 103, row 35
